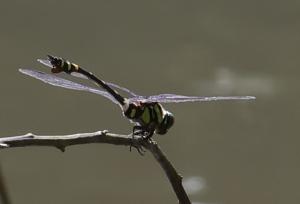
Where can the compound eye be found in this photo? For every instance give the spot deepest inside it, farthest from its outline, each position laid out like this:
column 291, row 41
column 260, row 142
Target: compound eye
column 169, row 120
column 166, row 124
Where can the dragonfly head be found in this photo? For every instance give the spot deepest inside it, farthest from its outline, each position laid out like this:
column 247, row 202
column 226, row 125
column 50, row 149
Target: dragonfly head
column 166, row 123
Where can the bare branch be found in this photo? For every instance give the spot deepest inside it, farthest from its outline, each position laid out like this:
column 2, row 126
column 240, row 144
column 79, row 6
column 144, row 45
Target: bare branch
column 173, row 176
column 62, row 141
column 4, row 197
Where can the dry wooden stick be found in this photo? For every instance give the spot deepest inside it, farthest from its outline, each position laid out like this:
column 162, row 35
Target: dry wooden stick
column 4, row 197
column 62, row 141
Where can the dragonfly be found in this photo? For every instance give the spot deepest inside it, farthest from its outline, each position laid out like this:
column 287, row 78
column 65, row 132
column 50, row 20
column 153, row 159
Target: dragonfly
column 145, row 112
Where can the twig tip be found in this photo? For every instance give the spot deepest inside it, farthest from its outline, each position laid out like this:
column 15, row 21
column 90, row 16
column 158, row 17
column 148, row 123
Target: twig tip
column 3, row 145
column 61, row 148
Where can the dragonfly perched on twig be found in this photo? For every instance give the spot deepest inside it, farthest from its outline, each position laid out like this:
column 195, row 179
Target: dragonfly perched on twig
column 146, row 112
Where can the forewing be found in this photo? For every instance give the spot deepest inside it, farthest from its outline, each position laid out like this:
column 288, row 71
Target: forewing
column 75, row 74
column 132, row 94
column 60, row 82
column 173, row 98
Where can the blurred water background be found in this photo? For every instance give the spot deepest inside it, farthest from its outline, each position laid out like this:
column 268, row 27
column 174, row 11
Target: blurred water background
column 227, row 152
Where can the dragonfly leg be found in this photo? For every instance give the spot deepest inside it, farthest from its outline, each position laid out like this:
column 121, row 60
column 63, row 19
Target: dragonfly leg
column 149, row 135
column 137, row 130
column 145, row 133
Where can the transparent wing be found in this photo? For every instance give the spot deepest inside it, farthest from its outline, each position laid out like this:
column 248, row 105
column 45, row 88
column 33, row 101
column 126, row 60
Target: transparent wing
column 45, row 62
column 60, row 82
column 173, row 98
column 75, row 74
column 132, row 94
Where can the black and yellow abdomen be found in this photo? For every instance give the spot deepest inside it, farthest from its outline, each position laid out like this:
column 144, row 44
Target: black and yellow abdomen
column 61, row 65
column 69, row 67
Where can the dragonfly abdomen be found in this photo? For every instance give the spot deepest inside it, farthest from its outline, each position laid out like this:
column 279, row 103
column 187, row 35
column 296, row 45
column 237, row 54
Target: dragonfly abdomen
column 102, row 84
column 69, row 67
column 61, row 65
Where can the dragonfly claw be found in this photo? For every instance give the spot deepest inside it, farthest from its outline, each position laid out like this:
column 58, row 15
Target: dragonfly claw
column 137, row 144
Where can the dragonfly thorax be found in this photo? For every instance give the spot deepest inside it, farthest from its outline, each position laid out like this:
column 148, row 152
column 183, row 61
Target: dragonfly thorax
column 151, row 116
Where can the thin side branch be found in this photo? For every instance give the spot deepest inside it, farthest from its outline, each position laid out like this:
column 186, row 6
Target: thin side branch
column 62, row 141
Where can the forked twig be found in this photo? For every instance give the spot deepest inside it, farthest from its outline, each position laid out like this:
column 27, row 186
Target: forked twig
column 63, row 141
